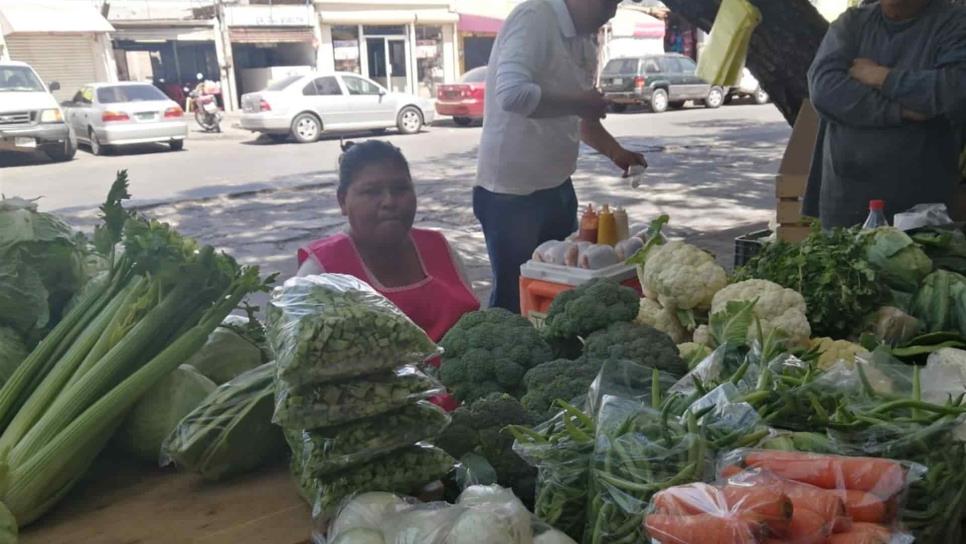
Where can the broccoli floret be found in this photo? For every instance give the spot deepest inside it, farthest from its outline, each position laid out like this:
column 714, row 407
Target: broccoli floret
column 478, row 427
column 642, row 344
column 562, row 379
column 490, row 351
column 589, row 308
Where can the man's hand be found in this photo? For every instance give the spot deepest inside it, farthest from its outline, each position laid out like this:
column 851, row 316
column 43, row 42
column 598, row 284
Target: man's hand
column 869, row 73
column 624, row 159
column 590, row 105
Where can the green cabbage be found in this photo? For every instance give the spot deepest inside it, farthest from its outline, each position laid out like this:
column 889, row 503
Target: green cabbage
column 226, row 355
column 12, row 353
column 8, row 526
column 901, row 263
column 41, row 266
column 158, row 413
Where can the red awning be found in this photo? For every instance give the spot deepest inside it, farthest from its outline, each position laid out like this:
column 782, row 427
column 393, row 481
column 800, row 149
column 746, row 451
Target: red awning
column 649, row 29
column 479, row 24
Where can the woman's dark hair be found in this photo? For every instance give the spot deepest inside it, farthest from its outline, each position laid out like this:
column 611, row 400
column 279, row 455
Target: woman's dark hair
column 355, row 157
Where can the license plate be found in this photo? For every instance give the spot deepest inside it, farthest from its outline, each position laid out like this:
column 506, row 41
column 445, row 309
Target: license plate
column 149, row 116
column 617, row 81
column 22, row 141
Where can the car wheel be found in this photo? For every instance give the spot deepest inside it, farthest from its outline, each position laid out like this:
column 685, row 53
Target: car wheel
column 715, row 98
column 761, row 97
column 677, row 104
column 618, row 108
column 463, row 121
column 306, row 128
column 62, row 153
column 95, row 143
column 176, row 145
column 410, row 120
column 659, row 101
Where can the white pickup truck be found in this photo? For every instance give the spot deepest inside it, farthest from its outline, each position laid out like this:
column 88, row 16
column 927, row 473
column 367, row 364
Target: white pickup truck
column 30, row 117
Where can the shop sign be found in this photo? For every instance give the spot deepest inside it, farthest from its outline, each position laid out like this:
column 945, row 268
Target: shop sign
column 345, row 49
column 427, row 49
column 269, row 15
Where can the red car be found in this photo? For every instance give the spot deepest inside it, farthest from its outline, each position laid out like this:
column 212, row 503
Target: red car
column 464, row 100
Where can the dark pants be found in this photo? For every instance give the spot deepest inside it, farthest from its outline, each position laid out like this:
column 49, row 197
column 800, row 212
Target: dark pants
column 514, row 226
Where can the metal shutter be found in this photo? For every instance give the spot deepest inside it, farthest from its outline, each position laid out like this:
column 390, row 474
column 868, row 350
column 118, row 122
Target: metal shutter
column 65, row 58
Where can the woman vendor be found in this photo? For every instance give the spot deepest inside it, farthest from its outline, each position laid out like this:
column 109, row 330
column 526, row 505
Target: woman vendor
column 414, row 268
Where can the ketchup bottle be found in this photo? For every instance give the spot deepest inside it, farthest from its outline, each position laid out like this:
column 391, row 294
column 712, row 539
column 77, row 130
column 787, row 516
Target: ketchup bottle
column 588, row 225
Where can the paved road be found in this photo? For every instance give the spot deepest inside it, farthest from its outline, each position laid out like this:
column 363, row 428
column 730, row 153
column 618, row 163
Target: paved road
column 238, row 162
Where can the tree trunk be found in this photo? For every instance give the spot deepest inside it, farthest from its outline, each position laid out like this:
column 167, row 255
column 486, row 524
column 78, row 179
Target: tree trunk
column 782, row 47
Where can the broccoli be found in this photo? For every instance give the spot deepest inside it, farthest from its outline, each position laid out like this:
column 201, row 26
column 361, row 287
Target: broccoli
column 588, row 308
column 642, row 344
column 562, row 379
column 478, row 428
column 489, row 352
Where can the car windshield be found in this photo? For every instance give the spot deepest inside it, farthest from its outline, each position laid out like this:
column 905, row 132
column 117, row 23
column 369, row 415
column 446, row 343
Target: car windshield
column 19, row 78
column 129, row 93
column 476, row 75
column 281, row 84
column 620, row 66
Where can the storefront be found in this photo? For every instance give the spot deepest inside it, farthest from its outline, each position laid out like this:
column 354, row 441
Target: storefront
column 270, row 41
column 406, row 50
column 67, row 43
column 477, row 35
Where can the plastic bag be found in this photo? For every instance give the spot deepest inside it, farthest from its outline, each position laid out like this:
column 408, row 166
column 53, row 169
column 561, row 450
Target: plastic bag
column 336, row 403
column 923, row 215
column 332, row 327
column 231, row 432
column 366, row 511
column 331, row 449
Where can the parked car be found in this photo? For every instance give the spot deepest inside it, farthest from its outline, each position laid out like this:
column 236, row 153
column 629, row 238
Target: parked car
column 658, row 81
column 30, row 118
column 464, row 100
column 747, row 87
column 305, row 106
column 107, row 115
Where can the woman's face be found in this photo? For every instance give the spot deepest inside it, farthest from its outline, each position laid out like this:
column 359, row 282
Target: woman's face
column 380, row 204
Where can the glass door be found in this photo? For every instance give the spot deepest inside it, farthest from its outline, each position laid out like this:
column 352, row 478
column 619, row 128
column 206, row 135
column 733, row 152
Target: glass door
column 377, row 54
column 398, row 65
column 388, row 62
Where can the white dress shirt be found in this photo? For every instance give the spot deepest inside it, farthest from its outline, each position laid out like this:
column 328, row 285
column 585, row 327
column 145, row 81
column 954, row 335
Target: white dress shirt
column 537, row 48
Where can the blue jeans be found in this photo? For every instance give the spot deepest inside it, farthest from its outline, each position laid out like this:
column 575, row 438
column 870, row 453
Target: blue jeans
column 514, row 226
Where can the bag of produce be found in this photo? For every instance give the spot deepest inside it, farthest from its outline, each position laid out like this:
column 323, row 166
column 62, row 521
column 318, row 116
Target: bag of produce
column 332, row 327
column 403, row 471
column 159, row 411
column 332, row 449
column 335, row 403
column 231, row 432
column 227, row 353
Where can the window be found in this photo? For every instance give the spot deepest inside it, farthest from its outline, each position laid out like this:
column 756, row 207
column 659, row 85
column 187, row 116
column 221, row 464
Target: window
column 619, row 67
column 652, row 67
column 670, row 65
column 476, row 75
column 323, row 86
column 19, row 78
column 359, row 86
column 283, row 83
column 429, row 59
column 129, row 93
column 687, row 65
column 345, row 51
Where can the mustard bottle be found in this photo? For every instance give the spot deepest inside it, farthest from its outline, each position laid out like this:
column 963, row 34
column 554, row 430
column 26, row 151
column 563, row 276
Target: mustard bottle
column 606, row 227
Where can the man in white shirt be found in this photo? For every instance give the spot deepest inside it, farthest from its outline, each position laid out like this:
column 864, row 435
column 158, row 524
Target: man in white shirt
column 541, row 102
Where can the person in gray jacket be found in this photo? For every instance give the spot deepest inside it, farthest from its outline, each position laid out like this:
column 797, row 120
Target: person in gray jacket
column 889, row 82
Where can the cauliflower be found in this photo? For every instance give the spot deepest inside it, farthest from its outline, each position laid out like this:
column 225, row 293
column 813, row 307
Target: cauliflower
column 653, row 314
column 702, row 335
column 778, row 308
column 693, row 353
column 682, row 276
column 834, row 351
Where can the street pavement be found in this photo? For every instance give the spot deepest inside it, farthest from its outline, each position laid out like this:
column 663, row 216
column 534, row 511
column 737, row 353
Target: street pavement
column 712, row 171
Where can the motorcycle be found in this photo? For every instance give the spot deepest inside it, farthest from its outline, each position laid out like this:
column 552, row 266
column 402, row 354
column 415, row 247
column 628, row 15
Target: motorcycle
column 205, row 106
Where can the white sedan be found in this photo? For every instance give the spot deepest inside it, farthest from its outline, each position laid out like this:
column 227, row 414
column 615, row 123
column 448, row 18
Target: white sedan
column 305, row 106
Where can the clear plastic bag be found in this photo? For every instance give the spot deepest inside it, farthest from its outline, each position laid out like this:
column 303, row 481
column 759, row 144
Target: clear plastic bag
column 332, row 449
column 231, row 432
column 332, row 327
column 364, row 511
column 336, row 403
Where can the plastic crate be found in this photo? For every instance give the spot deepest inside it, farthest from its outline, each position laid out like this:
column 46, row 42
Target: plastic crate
column 749, row 245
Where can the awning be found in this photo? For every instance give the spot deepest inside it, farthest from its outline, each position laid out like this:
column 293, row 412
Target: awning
column 479, row 24
column 24, row 17
column 388, row 17
column 201, row 32
column 630, row 23
column 271, row 35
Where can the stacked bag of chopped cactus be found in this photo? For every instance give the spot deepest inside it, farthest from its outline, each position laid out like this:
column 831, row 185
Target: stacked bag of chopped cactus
column 349, row 393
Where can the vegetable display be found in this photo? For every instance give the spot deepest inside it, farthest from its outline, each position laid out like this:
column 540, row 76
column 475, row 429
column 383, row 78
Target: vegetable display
column 682, row 276
column 230, row 432
column 663, row 319
column 489, row 352
column 901, row 263
column 642, row 344
column 227, row 353
column 562, row 379
column 587, row 309
column 337, row 327
column 776, row 308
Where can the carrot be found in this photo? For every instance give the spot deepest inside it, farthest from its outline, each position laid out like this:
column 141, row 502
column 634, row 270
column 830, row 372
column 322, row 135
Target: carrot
column 762, row 502
column 819, row 501
column 792, row 465
column 683, row 500
column 883, row 477
column 807, row 527
column 866, row 507
column 701, row 529
column 863, row 533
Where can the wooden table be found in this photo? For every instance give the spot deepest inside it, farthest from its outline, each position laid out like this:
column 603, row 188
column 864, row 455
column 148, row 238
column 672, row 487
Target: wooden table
column 125, row 504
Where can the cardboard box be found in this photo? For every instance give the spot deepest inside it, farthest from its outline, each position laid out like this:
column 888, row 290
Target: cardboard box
column 792, row 176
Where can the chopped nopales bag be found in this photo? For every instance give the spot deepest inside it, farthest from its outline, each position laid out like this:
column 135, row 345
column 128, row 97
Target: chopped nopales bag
column 328, row 404
column 327, row 450
column 403, row 471
column 231, row 432
column 330, row 327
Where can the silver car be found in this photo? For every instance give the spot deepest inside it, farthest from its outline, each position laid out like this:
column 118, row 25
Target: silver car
column 105, row 115
column 304, row 106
